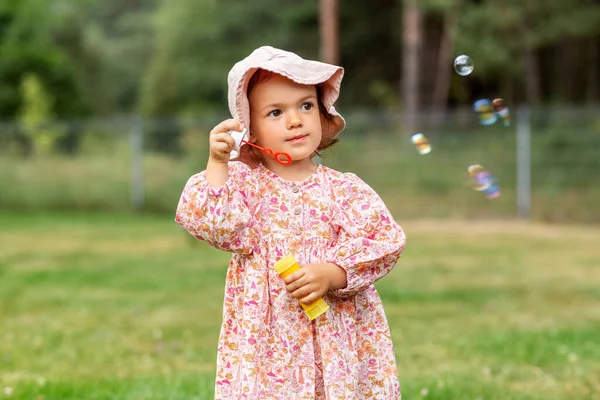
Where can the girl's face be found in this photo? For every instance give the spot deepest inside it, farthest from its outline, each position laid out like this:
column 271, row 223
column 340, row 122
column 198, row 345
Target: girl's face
column 284, row 116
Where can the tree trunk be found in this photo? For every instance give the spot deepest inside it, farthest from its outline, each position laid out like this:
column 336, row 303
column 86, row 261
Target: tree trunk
column 532, row 78
column 410, row 64
column 508, row 89
column 593, row 78
column 443, row 76
column 532, row 81
column 328, row 14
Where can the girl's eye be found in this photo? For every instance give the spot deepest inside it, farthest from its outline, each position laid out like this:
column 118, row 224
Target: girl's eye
column 275, row 113
column 307, row 106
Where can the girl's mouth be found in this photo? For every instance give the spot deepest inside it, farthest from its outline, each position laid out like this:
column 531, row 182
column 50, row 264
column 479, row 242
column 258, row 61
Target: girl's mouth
column 297, row 138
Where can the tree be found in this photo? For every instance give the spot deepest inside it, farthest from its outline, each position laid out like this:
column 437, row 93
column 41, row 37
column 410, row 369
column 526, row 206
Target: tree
column 36, row 116
column 506, row 38
column 198, row 41
column 412, row 38
column 328, row 18
column 451, row 12
column 27, row 46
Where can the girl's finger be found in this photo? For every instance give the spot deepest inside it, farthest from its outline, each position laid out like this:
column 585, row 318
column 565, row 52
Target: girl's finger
column 294, row 276
column 228, row 125
column 310, row 298
column 222, row 137
column 223, row 145
column 221, row 148
column 303, row 291
column 293, row 286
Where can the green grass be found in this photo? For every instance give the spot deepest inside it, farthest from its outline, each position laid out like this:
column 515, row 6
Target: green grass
column 98, row 306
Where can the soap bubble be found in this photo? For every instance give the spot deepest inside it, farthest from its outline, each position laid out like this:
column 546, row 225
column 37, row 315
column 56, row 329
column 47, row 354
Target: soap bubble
column 478, row 178
column 463, row 65
column 421, row 142
column 488, row 111
column 501, row 110
column 485, row 111
column 492, row 192
column 498, row 104
column 482, row 180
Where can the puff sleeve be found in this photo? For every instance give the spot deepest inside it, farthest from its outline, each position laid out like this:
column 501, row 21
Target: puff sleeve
column 370, row 242
column 221, row 217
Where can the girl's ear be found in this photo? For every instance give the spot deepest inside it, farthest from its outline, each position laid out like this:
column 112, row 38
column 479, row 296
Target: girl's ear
column 249, row 157
column 252, row 138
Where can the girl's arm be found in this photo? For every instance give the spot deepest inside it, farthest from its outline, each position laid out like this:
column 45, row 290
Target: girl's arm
column 221, row 216
column 370, row 242
column 217, row 173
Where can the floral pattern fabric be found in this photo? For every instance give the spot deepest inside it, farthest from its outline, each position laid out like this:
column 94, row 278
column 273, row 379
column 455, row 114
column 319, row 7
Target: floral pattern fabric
column 268, row 348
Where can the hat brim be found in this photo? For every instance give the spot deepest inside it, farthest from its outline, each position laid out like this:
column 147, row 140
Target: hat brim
column 295, row 68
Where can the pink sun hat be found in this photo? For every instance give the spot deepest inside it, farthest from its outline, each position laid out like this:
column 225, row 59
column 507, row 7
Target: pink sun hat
column 293, row 67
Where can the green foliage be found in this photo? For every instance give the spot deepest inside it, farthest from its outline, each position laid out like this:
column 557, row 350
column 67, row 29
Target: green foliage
column 37, row 115
column 199, row 41
column 27, row 45
column 171, row 57
column 496, row 31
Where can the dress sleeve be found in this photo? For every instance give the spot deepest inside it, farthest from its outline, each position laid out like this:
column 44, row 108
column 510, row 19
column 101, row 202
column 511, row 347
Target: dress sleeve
column 370, row 242
column 223, row 217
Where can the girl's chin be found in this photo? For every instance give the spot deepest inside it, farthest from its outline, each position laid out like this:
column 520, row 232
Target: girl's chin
column 303, row 156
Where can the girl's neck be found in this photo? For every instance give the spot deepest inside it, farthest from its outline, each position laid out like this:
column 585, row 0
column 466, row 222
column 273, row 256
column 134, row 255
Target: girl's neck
column 297, row 171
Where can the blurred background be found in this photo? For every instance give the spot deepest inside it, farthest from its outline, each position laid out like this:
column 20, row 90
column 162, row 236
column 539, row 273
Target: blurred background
column 105, row 109
column 105, row 105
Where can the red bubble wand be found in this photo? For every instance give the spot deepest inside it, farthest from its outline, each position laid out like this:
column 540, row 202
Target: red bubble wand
column 281, row 157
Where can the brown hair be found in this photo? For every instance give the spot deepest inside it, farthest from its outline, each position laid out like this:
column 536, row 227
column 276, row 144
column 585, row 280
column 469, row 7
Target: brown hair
column 263, row 75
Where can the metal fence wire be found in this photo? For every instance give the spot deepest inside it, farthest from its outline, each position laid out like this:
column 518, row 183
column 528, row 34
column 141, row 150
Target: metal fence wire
column 545, row 163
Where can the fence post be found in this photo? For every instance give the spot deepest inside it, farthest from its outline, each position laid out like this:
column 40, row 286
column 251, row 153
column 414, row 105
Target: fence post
column 523, row 162
column 136, row 137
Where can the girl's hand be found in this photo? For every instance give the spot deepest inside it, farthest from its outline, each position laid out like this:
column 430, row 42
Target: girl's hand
column 220, row 142
column 314, row 280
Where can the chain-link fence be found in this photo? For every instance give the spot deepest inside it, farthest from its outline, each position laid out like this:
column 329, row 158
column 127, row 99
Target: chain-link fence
column 546, row 163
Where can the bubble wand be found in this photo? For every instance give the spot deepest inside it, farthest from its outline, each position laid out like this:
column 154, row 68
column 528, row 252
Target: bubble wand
column 240, row 137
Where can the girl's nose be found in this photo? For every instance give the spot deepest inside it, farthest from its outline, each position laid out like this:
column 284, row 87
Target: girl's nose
column 294, row 120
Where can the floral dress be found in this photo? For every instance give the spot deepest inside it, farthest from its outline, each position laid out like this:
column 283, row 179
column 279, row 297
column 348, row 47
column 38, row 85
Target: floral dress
column 268, row 348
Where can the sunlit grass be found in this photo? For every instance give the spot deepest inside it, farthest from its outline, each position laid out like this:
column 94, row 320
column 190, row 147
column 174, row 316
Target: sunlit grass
column 127, row 307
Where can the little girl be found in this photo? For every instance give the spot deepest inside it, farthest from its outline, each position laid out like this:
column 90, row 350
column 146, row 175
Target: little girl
column 334, row 224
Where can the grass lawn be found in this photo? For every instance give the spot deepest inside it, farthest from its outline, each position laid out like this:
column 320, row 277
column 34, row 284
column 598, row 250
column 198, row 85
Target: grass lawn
column 127, row 307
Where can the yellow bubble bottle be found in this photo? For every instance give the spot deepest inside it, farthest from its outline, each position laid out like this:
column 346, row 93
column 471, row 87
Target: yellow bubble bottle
column 284, row 268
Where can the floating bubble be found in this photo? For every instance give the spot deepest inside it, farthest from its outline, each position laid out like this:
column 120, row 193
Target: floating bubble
column 501, row 110
column 492, row 192
column 485, row 111
column 479, row 178
column 473, row 169
column 422, row 144
column 498, row 104
column 463, row 65
column 482, row 180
